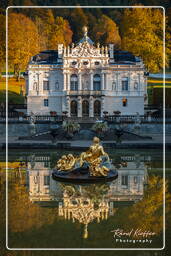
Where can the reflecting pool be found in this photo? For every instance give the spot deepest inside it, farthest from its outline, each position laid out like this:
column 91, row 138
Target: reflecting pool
column 125, row 213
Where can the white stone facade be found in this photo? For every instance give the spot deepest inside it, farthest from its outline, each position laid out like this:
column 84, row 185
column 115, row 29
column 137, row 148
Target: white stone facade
column 85, row 80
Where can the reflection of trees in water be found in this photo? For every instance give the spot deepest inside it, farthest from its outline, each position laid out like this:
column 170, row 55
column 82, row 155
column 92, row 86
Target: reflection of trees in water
column 147, row 214
column 23, row 214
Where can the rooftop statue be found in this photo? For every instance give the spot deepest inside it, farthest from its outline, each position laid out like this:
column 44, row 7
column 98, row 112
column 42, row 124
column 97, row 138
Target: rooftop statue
column 94, row 162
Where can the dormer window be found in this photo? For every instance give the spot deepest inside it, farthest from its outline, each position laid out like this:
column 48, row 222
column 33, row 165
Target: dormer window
column 74, row 63
column 85, row 62
column 74, row 82
column 96, row 62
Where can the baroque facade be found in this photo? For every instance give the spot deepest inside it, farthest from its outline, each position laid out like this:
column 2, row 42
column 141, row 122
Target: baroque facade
column 85, row 80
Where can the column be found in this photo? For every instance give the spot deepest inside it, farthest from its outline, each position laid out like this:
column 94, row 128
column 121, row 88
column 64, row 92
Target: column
column 79, row 102
column 79, row 82
column 68, row 82
column 91, row 81
column 102, row 81
column 105, row 82
column 63, row 103
column 91, row 106
column 102, row 106
column 64, row 79
column 68, row 106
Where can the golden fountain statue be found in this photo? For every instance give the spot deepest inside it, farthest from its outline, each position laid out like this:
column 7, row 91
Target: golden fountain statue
column 94, row 162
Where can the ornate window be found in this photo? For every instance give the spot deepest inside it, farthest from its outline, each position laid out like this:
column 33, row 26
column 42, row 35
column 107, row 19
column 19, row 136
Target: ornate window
column 45, row 85
column 74, row 63
column 74, row 82
column 124, row 180
column 125, row 84
column 46, row 102
column 46, row 180
column 96, row 83
column 96, row 62
column 73, row 108
column 97, row 108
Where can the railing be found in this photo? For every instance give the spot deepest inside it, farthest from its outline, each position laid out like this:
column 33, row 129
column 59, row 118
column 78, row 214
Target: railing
column 19, row 116
column 134, row 118
column 85, row 92
column 17, row 106
column 12, row 115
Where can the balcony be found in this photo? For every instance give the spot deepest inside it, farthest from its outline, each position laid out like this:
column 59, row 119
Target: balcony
column 84, row 93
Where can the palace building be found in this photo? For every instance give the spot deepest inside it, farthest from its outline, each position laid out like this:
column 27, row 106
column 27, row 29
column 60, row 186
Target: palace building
column 86, row 80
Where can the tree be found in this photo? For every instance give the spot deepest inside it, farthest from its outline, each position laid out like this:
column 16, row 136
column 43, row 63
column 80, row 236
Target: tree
column 22, row 41
column 78, row 20
column 56, row 31
column 106, row 31
column 61, row 33
column 142, row 34
column 2, row 42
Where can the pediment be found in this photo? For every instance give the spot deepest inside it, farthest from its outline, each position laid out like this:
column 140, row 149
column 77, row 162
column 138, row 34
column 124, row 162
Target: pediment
column 85, row 50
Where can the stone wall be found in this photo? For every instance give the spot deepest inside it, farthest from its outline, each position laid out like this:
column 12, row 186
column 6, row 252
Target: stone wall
column 23, row 128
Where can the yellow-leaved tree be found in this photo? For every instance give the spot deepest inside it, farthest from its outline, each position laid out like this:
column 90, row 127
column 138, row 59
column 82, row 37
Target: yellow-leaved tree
column 106, row 31
column 22, row 41
column 2, row 42
column 56, row 30
column 142, row 34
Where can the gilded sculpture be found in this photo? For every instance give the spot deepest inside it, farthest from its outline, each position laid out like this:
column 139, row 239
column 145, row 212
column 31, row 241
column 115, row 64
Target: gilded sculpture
column 95, row 159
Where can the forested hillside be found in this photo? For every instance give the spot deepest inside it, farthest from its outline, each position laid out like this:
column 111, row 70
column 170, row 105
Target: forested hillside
column 139, row 31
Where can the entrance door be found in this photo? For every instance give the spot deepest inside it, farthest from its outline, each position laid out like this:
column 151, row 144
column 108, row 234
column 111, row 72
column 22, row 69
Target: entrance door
column 73, row 108
column 85, row 108
column 97, row 108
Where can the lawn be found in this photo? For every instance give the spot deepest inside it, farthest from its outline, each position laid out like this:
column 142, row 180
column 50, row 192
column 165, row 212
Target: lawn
column 158, row 83
column 15, row 89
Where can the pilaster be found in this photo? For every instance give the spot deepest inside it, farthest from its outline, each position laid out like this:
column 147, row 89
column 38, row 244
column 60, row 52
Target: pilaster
column 79, row 102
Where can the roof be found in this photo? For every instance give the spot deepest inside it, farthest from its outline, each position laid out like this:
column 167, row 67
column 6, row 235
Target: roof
column 45, row 57
column 86, row 39
column 51, row 56
column 125, row 57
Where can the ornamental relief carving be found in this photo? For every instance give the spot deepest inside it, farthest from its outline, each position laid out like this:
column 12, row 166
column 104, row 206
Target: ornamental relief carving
column 85, row 50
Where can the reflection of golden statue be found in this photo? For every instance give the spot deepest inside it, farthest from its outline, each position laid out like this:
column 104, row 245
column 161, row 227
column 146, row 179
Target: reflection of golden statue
column 95, row 158
column 82, row 207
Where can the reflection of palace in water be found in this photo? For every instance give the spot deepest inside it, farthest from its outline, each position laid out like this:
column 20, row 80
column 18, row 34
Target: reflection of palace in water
column 129, row 186
column 86, row 204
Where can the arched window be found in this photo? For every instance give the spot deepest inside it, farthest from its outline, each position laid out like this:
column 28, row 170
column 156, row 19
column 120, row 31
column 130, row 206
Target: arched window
column 85, row 108
column 74, row 82
column 73, row 108
column 97, row 108
column 125, row 84
column 96, row 82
